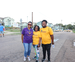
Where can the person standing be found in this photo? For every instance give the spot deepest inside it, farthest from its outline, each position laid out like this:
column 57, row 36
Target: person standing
column 36, row 42
column 1, row 30
column 47, row 39
column 26, row 37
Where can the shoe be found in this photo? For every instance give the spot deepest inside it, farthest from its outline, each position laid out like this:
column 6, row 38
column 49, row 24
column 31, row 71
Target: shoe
column 28, row 59
column 34, row 57
column 43, row 60
column 37, row 61
column 49, row 61
column 24, row 58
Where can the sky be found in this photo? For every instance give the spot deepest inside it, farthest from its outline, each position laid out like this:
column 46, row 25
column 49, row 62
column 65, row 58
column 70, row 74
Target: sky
column 51, row 17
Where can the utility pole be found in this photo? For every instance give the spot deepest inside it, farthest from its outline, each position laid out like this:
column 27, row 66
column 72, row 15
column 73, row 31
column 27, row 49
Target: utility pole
column 27, row 19
column 32, row 19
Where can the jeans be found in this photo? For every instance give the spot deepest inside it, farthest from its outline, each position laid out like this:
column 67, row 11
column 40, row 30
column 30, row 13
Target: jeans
column 36, row 51
column 46, row 47
column 27, row 49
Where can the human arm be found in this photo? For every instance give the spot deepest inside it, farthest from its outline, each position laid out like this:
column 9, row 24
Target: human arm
column 52, row 38
column 22, row 34
column 51, row 35
column 39, row 42
column 22, row 37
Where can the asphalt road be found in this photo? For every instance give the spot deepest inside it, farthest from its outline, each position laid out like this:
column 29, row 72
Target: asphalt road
column 12, row 50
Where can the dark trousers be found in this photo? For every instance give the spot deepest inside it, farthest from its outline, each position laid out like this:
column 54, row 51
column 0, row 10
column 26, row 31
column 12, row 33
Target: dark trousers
column 46, row 47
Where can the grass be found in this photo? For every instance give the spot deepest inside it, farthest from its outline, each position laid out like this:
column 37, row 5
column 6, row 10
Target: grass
column 13, row 30
column 73, row 31
column 16, row 34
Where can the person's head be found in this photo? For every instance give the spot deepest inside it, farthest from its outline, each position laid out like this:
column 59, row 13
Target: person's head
column 36, row 28
column 44, row 23
column 29, row 24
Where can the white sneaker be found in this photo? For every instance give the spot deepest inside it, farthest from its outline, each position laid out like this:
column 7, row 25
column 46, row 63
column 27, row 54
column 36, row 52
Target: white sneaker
column 28, row 59
column 24, row 58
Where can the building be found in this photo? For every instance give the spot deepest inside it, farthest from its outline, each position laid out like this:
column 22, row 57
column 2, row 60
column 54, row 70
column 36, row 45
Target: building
column 1, row 20
column 7, row 21
column 57, row 27
column 50, row 25
column 39, row 24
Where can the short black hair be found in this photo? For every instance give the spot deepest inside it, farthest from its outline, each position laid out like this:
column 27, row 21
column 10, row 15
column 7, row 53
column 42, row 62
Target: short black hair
column 37, row 26
column 45, row 21
column 29, row 22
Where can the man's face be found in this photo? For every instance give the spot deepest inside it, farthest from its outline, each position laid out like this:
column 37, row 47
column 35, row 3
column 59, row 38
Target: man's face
column 44, row 24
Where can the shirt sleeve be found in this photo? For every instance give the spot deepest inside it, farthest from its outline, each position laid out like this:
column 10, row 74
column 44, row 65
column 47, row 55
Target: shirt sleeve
column 50, row 31
column 23, row 31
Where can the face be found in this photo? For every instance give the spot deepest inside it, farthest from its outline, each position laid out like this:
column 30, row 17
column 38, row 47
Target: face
column 44, row 24
column 36, row 28
column 29, row 25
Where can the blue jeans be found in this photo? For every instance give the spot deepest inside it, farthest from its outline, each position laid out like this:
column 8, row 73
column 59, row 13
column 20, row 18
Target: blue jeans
column 36, row 51
column 27, row 49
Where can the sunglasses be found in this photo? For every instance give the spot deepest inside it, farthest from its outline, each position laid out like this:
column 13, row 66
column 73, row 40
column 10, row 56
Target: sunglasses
column 29, row 24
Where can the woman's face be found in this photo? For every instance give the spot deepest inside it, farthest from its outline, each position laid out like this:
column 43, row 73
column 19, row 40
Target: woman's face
column 36, row 28
column 29, row 25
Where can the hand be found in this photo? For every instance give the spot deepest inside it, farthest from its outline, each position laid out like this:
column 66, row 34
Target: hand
column 52, row 43
column 22, row 41
column 33, row 44
column 38, row 45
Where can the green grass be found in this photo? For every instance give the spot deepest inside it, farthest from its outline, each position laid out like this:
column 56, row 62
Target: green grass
column 73, row 31
column 16, row 34
column 13, row 30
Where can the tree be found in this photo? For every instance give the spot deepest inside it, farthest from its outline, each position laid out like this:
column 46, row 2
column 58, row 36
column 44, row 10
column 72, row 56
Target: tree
column 60, row 25
column 74, row 27
column 70, row 26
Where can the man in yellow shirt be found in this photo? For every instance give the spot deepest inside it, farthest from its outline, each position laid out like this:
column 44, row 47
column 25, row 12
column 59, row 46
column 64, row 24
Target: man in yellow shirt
column 46, row 34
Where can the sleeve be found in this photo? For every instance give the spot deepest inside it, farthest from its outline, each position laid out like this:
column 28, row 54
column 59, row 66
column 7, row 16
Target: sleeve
column 50, row 31
column 23, row 31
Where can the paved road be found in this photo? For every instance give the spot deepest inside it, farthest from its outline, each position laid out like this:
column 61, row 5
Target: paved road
column 11, row 48
column 67, row 51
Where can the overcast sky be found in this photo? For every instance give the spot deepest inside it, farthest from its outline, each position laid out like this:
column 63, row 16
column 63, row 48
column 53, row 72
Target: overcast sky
column 51, row 17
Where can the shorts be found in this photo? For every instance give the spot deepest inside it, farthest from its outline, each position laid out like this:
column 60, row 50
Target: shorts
column 1, row 32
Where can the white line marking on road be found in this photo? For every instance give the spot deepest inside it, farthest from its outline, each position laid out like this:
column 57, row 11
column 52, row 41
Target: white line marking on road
column 74, row 43
column 56, row 40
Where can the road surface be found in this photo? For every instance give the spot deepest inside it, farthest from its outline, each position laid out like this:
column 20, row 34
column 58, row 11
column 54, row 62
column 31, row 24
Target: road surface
column 12, row 50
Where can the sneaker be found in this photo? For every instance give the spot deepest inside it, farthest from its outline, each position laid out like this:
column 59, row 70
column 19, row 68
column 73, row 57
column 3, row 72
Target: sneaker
column 34, row 57
column 28, row 59
column 24, row 58
column 49, row 61
column 36, row 60
column 43, row 60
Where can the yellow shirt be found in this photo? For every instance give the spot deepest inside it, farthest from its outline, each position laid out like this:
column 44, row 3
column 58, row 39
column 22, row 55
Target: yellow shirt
column 45, row 35
column 36, row 36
